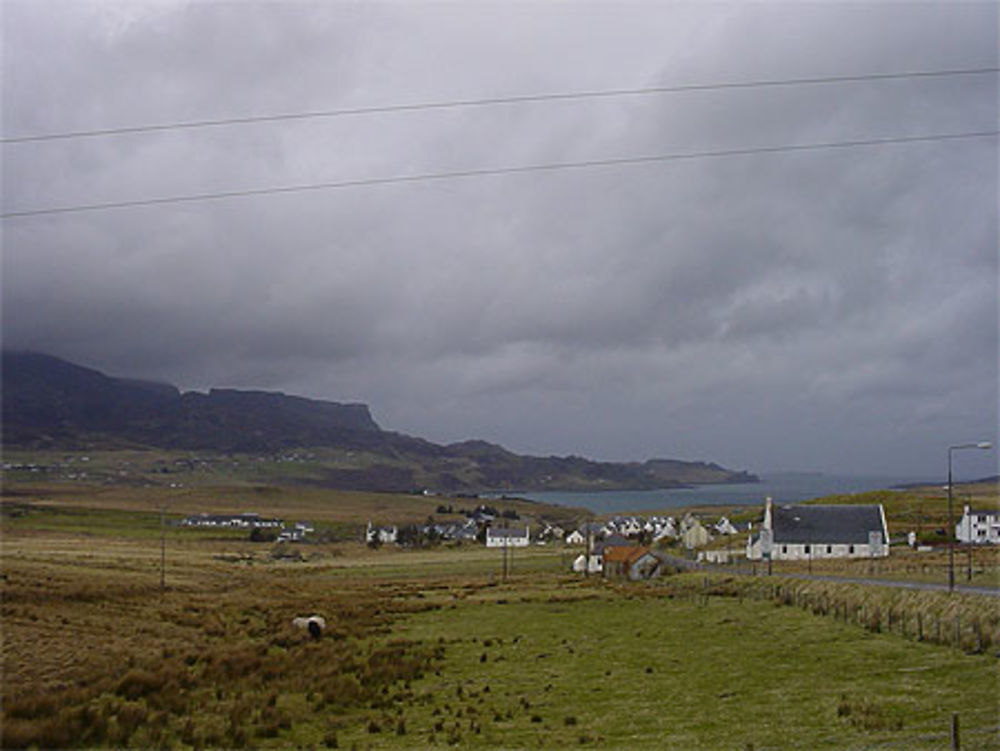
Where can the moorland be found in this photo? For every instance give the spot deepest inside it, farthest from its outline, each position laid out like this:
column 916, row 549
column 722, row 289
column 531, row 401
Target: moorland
column 123, row 629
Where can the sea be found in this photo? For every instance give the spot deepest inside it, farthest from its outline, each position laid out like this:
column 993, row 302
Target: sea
column 781, row 487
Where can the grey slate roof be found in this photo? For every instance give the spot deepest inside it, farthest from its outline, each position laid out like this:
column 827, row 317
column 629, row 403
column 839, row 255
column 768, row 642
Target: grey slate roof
column 821, row 524
column 508, row 532
column 616, row 540
column 984, row 512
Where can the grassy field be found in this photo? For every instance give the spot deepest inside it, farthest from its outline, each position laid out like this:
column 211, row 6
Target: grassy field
column 432, row 648
column 637, row 668
column 288, row 502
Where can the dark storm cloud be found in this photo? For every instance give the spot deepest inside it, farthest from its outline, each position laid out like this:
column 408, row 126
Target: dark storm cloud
column 828, row 309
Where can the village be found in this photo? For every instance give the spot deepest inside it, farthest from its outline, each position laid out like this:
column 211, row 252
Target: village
column 642, row 547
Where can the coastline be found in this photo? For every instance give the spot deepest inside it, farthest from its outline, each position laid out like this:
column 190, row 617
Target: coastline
column 782, row 487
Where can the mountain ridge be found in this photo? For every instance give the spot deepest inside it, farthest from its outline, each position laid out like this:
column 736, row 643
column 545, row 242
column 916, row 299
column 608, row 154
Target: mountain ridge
column 50, row 403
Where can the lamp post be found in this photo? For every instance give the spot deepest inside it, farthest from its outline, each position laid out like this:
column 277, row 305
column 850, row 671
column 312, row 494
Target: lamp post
column 951, row 514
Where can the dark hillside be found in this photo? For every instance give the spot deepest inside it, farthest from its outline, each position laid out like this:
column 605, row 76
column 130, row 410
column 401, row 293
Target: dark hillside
column 49, row 403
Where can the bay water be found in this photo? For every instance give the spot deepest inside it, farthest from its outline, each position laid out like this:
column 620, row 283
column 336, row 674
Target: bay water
column 782, row 487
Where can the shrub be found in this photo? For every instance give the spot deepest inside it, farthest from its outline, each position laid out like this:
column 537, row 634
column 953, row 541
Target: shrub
column 139, row 683
column 130, row 716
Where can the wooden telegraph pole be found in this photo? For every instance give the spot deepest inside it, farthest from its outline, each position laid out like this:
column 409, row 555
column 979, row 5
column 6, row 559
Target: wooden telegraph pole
column 504, row 558
column 163, row 549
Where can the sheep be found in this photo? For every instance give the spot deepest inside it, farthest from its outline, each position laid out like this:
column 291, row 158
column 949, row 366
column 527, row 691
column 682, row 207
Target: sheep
column 314, row 624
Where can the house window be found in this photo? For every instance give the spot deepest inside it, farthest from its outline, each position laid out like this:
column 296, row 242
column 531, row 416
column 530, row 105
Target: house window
column 807, row 551
column 784, row 549
column 850, row 550
column 829, row 549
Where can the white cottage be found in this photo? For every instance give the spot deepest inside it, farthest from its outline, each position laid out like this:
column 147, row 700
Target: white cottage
column 725, row 527
column 592, row 564
column 498, row 537
column 575, row 538
column 978, row 526
column 820, row 531
column 381, row 535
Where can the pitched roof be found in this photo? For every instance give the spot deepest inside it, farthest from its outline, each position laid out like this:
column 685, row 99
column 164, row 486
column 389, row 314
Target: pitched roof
column 615, row 541
column 826, row 524
column 625, row 555
column 496, row 532
column 983, row 512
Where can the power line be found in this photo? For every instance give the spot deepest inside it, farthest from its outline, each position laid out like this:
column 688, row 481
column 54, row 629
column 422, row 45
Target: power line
column 495, row 171
column 460, row 103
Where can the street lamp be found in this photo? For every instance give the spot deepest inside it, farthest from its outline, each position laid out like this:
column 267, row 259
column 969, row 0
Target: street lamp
column 951, row 514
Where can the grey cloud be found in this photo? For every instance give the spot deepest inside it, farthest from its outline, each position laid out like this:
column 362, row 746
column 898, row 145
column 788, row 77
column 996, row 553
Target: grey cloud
column 783, row 310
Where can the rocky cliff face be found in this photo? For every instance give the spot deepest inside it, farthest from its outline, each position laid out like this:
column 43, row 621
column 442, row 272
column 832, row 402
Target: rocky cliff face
column 53, row 404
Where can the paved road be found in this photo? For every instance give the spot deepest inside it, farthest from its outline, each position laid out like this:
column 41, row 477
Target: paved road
column 928, row 586
column 989, row 591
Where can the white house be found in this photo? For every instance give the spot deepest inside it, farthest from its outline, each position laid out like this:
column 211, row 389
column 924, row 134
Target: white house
column 593, row 564
column 382, row 535
column 693, row 534
column 246, row 520
column 498, row 537
column 820, row 531
column 725, row 527
column 978, row 526
column 664, row 533
column 575, row 538
column 551, row 532
column 665, row 528
column 714, row 556
column 627, row 526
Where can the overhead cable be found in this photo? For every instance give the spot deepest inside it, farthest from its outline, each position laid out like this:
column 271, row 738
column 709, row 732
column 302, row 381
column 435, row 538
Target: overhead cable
column 495, row 171
column 461, row 103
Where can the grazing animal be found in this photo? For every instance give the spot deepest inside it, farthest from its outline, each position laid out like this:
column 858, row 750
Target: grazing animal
column 314, row 624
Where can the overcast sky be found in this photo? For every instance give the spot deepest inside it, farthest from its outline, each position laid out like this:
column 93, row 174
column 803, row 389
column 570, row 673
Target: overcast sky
column 832, row 310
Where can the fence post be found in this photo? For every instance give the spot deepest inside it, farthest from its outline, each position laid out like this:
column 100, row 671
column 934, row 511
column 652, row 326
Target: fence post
column 920, row 627
column 955, row 744
column 958, row 631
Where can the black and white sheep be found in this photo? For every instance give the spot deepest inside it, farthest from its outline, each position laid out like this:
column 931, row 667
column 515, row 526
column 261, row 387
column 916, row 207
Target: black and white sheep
column 314, row 624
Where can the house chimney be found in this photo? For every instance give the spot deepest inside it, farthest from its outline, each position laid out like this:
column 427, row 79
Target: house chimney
column 768, row 507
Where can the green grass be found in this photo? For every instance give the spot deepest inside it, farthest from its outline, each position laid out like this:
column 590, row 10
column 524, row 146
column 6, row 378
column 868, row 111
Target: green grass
column 430, row 648
column 660, row 672
column 105, row 523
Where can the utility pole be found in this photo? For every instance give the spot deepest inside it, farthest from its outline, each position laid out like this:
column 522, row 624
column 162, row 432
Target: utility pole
column 951, row 514
column 163, row 549
column 504, row 558
column 511, row 568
